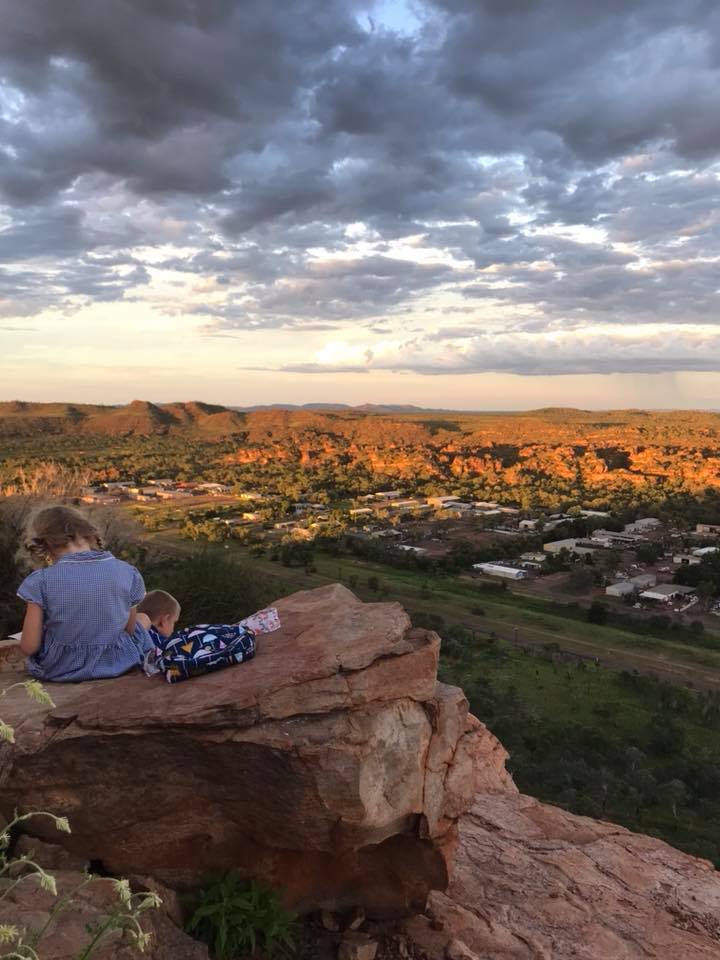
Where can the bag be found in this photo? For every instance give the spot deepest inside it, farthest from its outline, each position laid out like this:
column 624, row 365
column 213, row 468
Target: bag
column 201, row 649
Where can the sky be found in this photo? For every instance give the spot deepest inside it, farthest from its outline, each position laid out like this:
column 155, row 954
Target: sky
column 471, row 204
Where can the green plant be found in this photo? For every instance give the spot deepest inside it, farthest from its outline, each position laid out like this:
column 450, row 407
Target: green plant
column 125, row 913
column 235, row 916
column 36, row 692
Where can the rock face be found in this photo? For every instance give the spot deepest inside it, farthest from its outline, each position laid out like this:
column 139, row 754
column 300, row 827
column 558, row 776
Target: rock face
column 532, row 882
column 29, row 907
column 333, row 765
column 336, row 767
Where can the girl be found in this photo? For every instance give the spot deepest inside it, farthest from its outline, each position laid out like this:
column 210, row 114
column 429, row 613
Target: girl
column 81, row 610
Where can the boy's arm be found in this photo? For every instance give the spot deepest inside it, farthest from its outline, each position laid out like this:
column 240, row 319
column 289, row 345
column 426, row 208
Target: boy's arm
column 31, row 638
column 144, row 620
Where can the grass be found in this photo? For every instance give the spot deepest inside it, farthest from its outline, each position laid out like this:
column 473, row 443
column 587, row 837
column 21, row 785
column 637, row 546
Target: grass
column 525, row 620
column 554, row 716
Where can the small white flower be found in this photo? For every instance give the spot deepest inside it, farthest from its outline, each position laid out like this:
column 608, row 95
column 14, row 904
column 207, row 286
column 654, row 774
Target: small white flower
column 37, row 692
column 123, row 891
column 6, row 732
column 47, row 882
column 140, row 939
column 8, row 933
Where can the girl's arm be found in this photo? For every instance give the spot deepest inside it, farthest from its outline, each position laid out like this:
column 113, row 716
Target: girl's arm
column 132, row 620
column 31, row 638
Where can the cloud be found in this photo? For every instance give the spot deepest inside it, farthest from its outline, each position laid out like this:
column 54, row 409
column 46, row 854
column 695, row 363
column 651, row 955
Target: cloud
column 531, row 354
column 532, row 167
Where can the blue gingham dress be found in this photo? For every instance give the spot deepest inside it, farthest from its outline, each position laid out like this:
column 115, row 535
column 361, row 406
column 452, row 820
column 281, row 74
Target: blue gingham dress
column 86, row 599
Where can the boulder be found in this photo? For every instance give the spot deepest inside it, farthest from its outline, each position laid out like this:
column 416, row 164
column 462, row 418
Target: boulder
column 28, row 907
column 333, row 765
column 533, row 882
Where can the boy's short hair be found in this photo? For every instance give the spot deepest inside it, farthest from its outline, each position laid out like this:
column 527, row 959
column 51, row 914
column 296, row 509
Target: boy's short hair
column 158, row 603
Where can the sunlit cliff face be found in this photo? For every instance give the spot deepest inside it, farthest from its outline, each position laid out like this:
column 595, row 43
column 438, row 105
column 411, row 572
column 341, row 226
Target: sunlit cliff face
column 361, row 201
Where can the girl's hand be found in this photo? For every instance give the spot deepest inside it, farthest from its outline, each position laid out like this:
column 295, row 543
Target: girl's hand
column 31, row 638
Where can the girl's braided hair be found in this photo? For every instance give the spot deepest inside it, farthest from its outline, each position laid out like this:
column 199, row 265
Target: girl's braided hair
column 53, row 528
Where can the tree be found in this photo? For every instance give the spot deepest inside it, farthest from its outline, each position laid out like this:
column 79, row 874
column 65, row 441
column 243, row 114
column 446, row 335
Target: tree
column 580, row 579
column 597, row 612
column 674, row 792
column 649, row 552
column 705, row 592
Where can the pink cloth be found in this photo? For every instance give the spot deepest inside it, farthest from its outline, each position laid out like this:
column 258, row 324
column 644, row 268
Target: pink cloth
column 264, row 621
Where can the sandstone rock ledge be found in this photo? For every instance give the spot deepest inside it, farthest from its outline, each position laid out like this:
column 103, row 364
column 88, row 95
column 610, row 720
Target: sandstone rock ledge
column 532, row 882
column 333, row 765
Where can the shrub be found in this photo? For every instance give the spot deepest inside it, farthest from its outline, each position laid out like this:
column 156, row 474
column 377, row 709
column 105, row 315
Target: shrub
column 235, row 916
column 213, row 588
column 597, row 612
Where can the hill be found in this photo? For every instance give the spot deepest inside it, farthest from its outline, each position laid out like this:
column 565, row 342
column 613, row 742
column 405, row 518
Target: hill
column 563, row 452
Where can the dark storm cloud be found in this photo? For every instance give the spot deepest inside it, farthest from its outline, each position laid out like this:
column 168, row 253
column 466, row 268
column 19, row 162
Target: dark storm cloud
column 256, row 138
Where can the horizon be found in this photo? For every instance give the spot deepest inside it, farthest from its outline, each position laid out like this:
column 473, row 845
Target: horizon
column 371, row 406
column 420, row 201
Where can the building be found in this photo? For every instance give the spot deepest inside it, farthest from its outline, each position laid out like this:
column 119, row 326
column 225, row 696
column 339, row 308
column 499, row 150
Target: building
column 215, row 488
column 534, row 556
column 707, row 528
column 442, row 501
column 643, row 525
column 361, row 512
column 485, row 505
column 609, row 538
column 501, row 570
column 408, row 549
column 143, row 493
column 665, row 592
column 101, row 498
column 704, row 551
column 620, row 589
column 642, row 582
column 406, row 505
column 580, row 548
column 687, row 559
column 388, row 495
column 595, row 513
column 549, row 524
column 164, row 494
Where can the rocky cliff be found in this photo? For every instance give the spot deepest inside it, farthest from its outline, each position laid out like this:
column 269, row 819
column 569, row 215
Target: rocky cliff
column 335, row 766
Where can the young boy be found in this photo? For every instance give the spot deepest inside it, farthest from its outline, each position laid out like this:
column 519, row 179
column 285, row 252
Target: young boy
column 158, row 613
column 182, row 654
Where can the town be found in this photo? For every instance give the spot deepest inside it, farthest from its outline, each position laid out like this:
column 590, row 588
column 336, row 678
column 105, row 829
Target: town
column 581, row 552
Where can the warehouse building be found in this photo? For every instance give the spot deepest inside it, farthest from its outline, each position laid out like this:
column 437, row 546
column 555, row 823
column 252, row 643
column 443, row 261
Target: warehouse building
column 500, row 570
column 665, row 592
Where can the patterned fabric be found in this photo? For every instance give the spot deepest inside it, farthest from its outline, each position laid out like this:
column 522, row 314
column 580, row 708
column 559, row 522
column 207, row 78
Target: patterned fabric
column 201, row 649
column 86, row 599
column 264, row 621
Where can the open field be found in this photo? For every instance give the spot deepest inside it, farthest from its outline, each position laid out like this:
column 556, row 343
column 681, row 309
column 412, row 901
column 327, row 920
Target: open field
column 512, row 617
